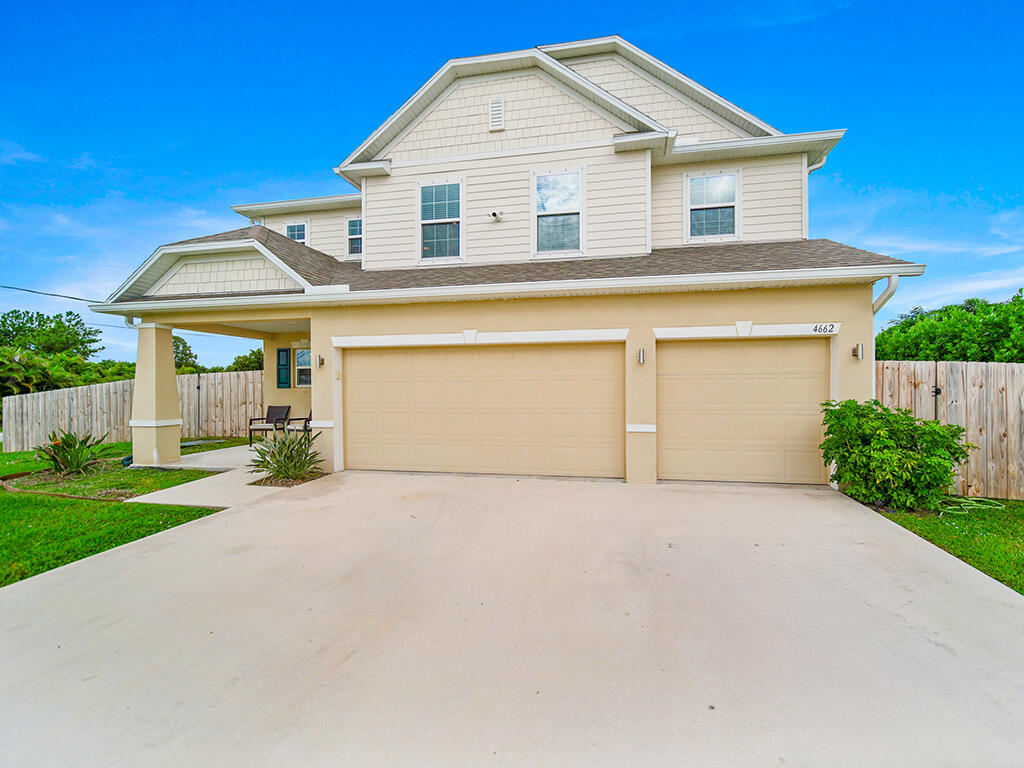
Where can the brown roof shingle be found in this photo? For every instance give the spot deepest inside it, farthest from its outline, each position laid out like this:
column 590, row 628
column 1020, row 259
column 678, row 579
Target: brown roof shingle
column 319, row 268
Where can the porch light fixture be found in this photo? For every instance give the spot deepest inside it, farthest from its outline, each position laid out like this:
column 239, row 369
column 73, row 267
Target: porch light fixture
column 640, row 356
column 318, row 361
column 858, row 351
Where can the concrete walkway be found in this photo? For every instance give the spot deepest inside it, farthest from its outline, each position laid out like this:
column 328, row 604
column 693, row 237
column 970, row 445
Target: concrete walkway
column 235, row 457
column 378, row 619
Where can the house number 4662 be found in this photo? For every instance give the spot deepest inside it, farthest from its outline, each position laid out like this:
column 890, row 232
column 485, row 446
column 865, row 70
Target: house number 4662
column 823, row 328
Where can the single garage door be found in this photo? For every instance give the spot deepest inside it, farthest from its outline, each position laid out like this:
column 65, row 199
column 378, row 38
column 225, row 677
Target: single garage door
column 531, row 409
column 741, row 410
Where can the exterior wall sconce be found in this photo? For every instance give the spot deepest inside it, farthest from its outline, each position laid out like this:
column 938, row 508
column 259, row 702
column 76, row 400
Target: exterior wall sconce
column 640, row 356
column 858, row 351
column 318, row 361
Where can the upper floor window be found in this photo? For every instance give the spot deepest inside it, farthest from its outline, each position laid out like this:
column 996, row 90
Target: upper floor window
column 355, row 237
column 296, row 232
column 440, row 221
column 559, row 210
column 712, row 202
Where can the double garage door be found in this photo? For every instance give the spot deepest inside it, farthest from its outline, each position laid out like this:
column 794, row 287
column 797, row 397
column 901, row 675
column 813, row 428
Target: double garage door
column 726, row 410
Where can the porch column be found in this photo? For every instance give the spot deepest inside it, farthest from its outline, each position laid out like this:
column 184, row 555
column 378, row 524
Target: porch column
column 641, row 407
column 156, row 417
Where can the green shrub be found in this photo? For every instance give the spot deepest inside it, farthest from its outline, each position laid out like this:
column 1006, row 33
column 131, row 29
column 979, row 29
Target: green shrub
column 888, row 457
column 69, row 453
column 290, row 456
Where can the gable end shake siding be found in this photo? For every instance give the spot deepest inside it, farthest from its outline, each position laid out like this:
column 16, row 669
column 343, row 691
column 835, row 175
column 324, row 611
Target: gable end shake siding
column 537, row 113
column 616, row 77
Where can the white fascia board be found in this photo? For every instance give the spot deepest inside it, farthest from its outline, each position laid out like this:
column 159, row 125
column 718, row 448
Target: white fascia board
column 647, row 283
column 707, row 98
column 492, row 63
column 353, row 172
column 329, row 203
column 661, row 143
column 224, row 246
column 817, row 145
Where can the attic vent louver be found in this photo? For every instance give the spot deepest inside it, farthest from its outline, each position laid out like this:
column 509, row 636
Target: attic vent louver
column 496, row 114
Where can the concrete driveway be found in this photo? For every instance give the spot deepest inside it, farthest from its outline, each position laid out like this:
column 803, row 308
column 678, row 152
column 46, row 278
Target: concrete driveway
column 387, row 619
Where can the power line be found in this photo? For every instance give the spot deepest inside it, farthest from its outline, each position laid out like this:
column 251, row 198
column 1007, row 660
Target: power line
column 47, row 293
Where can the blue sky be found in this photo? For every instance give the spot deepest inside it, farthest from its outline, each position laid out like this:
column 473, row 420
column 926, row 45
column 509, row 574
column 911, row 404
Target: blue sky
column 128, row 125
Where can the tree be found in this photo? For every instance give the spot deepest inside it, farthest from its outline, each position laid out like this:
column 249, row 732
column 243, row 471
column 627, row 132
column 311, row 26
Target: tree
column 49, row 334
column 250, row 361
column 184, row 357
column 975, row 330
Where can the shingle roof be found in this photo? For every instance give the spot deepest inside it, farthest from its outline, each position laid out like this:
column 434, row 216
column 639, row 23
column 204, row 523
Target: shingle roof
column 315, row 266
column 319, row 268
column 688, row 260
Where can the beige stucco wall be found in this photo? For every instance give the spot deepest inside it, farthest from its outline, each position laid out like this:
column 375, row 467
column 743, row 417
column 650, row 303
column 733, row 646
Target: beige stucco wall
column 653, row 99
column 772, row 200
column 537, row 113
column 846, row 304
column 297, row 397
column 614, row 218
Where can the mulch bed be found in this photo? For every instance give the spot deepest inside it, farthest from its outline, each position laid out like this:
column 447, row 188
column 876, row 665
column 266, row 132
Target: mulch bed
column 282, row 483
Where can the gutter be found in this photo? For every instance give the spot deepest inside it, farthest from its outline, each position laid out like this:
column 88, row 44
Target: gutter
column 890, row 289
column 339, row 295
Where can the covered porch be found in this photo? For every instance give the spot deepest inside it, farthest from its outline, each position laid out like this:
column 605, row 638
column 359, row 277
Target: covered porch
column 288, row 381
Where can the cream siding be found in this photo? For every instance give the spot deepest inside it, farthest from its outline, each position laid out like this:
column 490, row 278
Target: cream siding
column 772, row 205
column 537, row 113
column 670, row 109
column 222, row 276
column 327, row 231
column 614, row 215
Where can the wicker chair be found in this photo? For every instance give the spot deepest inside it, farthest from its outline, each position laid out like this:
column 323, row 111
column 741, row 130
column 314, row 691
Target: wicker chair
column 277, row 416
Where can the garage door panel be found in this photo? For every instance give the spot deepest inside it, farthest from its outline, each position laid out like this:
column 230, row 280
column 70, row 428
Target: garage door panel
column 743, row 410
column 556, row 410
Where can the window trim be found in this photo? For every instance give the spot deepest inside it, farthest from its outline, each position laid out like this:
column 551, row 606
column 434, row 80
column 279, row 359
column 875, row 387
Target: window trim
column 349, row 238
column 295, row 357
column 737, row 205
column 461, row 258
column 295, row 223
column 534, row 214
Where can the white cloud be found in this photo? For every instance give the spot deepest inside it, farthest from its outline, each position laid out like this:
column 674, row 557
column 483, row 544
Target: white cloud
column 997, row 285
column 11, row 153
column 83, row 162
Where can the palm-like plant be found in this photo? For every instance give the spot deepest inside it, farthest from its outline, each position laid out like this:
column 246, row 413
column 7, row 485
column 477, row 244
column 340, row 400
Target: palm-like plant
column 68, row 453
column 290, row 456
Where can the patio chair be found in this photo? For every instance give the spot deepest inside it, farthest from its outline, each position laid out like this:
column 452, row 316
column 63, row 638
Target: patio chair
column 277, row 416
column 300, row 424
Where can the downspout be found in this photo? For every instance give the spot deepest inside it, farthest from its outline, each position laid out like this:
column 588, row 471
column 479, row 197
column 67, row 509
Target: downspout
column 890, row 289
column 816, row 166
column 128, row 321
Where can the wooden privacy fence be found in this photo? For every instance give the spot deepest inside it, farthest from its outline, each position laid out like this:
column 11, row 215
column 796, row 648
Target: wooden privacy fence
column 212, row 405
column 986, row 398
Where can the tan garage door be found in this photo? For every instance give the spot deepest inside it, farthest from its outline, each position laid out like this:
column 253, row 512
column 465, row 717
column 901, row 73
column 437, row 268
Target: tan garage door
column 535, row 410
column 741, row 410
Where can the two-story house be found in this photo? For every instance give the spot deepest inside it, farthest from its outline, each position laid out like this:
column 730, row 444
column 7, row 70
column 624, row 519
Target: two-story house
column 568, row 260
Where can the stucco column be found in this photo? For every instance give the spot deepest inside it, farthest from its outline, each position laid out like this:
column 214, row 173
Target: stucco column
column 156, row 416
column 326, row 396
column 641, row 407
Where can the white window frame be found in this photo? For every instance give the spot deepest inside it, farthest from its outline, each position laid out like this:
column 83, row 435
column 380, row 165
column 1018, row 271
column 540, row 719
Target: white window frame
column 349, row 238
column 534, row 253
column 737, row 205
column 461, row 221
column 295, row 373
column 295, row 223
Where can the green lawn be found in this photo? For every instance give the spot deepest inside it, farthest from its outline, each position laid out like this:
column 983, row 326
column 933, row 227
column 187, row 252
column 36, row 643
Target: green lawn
column 24, row 461
column 110, row 480
column 38, row 533
column 992, row 540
